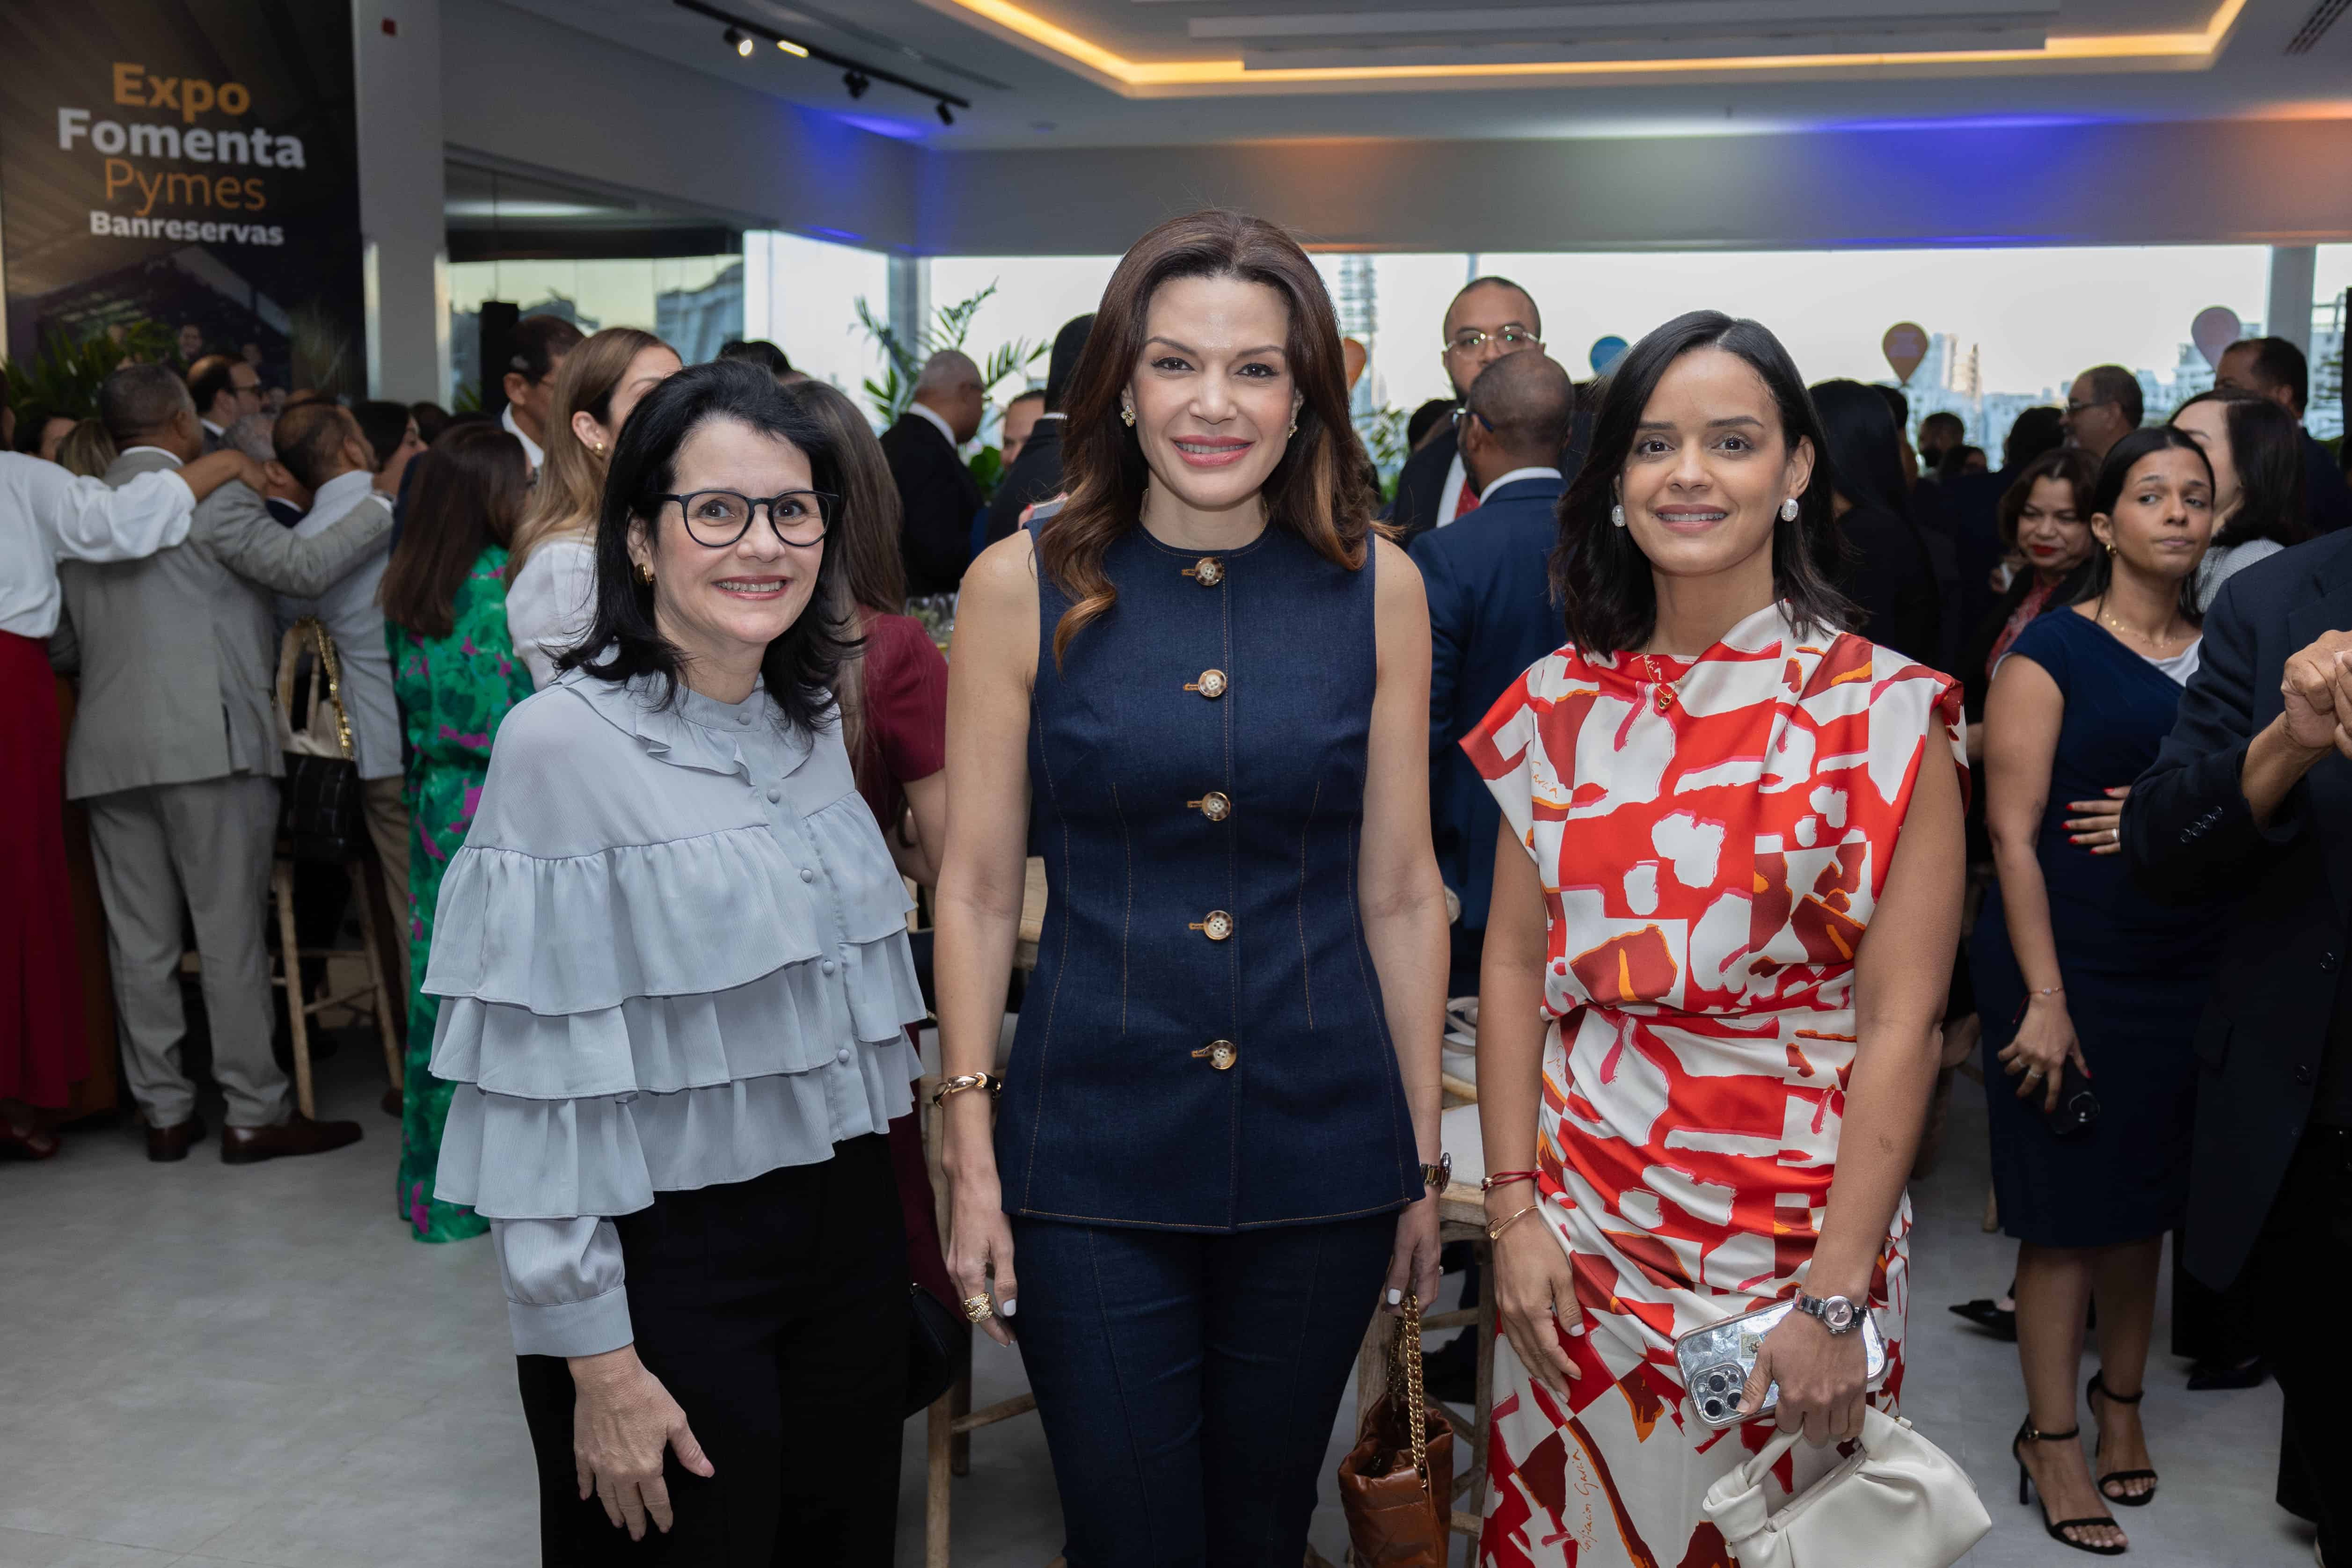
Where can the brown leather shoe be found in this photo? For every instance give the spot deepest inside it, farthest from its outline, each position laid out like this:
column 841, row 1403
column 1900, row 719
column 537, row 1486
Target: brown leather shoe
column 298, row 1135
column 165, row 1144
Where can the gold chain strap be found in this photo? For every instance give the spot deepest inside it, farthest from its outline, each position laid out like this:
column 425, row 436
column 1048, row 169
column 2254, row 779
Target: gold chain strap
column 1404, row 1377
column 323, row 644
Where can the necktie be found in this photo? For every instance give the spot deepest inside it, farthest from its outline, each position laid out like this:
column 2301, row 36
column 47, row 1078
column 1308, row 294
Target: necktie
column 1469, row 502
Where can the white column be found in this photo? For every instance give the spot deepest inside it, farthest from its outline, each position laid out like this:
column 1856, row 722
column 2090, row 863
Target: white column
column 2288, row 314
column 402, row 240
column 910, row 297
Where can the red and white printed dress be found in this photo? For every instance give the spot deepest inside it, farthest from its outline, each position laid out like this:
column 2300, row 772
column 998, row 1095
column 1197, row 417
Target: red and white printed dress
column 1710, row 861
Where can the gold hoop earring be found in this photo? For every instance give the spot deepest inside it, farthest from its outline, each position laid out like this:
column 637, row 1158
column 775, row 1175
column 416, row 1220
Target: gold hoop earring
column 1127, row 415
column 2111, row 549
column 645, row 574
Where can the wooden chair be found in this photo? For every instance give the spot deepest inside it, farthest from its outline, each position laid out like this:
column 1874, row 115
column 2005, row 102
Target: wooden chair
column 308, row 640
column 372, row 996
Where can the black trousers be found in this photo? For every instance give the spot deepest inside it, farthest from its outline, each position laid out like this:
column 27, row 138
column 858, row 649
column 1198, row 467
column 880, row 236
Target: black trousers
column 2305, row 1255
column 774, row 1310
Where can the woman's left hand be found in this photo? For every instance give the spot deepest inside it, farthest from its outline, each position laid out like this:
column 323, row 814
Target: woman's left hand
column 2097, row 825
column 1823, row 1379
column 1413, row 1263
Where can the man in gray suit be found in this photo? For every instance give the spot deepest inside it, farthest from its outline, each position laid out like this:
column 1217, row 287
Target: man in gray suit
column 174, row 752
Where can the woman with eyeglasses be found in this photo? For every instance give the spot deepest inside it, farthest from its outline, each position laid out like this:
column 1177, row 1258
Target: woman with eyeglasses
column 675, row 978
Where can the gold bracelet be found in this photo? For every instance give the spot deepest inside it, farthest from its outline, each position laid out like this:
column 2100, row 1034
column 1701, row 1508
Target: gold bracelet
column 1495, row 1227
column 988, row 1081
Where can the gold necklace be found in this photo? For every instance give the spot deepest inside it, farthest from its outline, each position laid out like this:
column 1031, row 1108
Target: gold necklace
column 2152, row 640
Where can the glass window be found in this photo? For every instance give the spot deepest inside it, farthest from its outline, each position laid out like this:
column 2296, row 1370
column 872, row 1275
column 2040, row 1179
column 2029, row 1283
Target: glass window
column 693, row 303
column 802, row 297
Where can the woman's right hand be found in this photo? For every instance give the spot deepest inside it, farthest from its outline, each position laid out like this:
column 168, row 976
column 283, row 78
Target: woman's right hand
column 2045, row 1043
column 980, row 1249
column 622, row 1420
column 1535, row 1293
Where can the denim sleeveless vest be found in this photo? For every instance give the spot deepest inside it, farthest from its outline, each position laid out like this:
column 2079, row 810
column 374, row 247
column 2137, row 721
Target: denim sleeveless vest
column 1203, row 1045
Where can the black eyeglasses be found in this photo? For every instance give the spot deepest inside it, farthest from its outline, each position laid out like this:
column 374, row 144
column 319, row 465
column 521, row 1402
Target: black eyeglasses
column 717, row 518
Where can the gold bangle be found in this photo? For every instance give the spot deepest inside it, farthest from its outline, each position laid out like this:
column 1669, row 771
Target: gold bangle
column 988, row 1081
column 1495, row 1227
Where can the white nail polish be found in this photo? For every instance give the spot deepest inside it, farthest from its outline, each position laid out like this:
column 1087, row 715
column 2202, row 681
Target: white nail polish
column 1009, row 1308
column 1396, row 1298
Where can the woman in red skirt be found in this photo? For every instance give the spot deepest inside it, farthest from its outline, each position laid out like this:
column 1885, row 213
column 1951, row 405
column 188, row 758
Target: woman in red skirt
column 47, row 515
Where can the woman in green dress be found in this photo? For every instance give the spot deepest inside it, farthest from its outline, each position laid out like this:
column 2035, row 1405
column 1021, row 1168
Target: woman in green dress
column 456, row 675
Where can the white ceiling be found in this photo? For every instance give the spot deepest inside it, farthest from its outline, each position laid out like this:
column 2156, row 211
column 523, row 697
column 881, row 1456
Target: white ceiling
column 1026, row 95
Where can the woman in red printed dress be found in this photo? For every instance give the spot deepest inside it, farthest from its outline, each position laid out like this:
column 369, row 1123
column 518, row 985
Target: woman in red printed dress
column 1728, row 890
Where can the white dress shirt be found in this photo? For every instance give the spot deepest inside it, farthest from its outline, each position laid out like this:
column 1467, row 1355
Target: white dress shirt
column 1534, row 471
column 531, row 454
column 552, row 601
column 1449, row 499
column 356, row 621
column 938, row 423
column 47, row 514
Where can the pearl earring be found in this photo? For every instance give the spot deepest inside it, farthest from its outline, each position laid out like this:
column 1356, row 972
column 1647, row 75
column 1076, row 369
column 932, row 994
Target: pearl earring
column 1127, row 415
column 1788, row 510
column 1617, row 516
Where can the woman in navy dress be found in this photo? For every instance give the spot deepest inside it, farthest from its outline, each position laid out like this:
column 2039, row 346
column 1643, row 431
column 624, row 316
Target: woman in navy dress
column 2075, row 967
column 1200, row 687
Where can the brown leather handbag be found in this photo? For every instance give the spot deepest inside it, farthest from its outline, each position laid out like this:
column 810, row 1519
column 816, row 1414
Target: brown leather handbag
column 1396, row 1485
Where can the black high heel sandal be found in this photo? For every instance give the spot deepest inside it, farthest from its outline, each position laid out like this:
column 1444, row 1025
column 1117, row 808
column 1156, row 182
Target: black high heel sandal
column 2057, row 1531
column 2097, row 1388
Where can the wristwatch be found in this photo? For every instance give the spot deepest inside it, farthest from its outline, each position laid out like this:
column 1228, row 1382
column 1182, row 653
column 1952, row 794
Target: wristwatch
column 1439, row 1175
column 1837, row 1315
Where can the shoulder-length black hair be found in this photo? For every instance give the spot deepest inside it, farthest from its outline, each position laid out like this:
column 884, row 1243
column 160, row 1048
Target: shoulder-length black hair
column 2114, row 471
column 1601, row 576
column 2266, row 449
column 1864, row 446
column 623, row 641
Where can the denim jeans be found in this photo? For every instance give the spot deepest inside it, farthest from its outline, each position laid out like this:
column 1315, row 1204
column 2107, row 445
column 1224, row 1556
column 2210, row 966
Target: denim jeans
column 1188, row 1382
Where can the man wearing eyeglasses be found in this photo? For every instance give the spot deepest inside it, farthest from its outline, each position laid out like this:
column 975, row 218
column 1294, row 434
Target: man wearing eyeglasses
column 1490, row 318
column 2103, row 406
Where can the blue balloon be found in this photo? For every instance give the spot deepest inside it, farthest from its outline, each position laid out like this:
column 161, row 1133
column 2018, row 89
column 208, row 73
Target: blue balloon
column 1607, row 351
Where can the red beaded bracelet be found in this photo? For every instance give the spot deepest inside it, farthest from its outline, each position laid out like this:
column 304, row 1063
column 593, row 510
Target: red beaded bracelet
column 1504, row 1178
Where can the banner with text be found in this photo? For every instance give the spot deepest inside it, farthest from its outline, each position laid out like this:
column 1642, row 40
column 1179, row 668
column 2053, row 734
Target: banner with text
column 192, row 163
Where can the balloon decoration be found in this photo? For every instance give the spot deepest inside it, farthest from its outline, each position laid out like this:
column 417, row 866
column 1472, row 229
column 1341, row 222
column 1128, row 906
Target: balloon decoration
column 2215, row 328
column 1904, row 345
column 1607, row 351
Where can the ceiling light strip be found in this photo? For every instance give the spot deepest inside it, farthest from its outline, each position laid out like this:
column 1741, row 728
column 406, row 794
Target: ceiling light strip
column 1028, row 25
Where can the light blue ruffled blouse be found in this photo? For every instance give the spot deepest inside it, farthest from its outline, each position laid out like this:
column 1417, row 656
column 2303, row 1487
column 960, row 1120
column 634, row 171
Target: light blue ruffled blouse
column 672, row 954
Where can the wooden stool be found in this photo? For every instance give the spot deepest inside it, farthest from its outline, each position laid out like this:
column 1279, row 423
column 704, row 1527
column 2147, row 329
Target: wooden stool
column 367, row 884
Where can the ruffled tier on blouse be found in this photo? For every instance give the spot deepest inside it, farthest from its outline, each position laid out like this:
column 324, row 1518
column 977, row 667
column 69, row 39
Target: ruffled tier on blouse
column 669, row 1016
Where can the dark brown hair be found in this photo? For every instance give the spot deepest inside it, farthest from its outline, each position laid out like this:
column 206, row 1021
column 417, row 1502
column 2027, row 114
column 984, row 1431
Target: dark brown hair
column 1599, row 574
column 2069, row 464
column 465, row 498
column 1324, row 488
column 865, row 529
column 2266, row 449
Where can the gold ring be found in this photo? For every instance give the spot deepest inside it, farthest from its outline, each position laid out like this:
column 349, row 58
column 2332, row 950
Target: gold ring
column 977, row 1309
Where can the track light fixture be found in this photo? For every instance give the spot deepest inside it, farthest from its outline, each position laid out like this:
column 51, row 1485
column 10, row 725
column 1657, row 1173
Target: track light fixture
column 744, row 35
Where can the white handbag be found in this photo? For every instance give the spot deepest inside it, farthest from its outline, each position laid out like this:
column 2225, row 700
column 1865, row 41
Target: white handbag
column 1900, row 1502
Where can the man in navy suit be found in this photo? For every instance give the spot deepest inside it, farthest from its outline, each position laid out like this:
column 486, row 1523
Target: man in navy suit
column 1490, row 609
column 2251, row 802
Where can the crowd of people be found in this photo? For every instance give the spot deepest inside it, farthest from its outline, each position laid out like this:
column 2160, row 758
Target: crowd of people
column 1752, row 766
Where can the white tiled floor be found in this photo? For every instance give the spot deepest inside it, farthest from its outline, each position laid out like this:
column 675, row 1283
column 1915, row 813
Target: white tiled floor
column 206, row 1363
